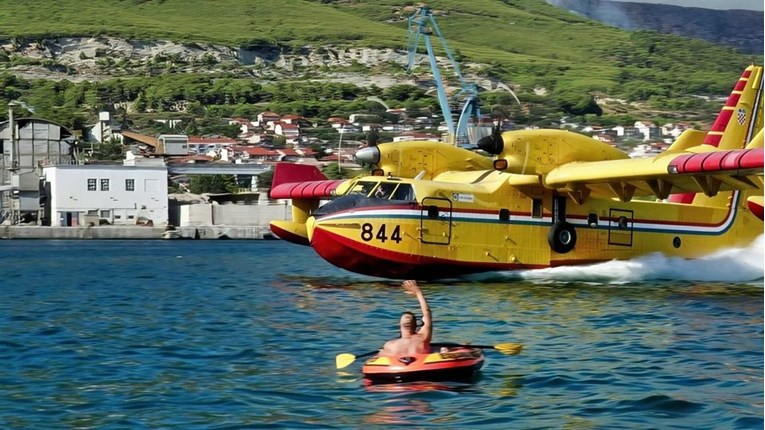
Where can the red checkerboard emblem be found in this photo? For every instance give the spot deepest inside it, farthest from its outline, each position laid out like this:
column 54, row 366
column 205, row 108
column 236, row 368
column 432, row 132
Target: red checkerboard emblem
column 741, row 115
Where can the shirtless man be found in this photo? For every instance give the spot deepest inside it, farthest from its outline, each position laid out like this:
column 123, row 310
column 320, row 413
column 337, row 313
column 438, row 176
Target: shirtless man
column 411, row 341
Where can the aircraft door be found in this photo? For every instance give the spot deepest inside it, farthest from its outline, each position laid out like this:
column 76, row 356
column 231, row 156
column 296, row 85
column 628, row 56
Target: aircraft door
column 436, row 221
column 620, row 227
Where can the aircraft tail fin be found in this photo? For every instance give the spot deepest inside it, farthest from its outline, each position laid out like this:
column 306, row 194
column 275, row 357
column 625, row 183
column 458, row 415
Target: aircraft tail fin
column 741, row 117
column 737, row 124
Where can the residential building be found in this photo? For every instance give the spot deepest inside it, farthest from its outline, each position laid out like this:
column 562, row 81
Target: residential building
column 266, row 120
column 173, row 144
column 290, row 132
column 104, row 130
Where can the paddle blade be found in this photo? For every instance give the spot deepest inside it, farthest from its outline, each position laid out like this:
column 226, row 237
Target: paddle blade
column 509, row 348
column 344, row 360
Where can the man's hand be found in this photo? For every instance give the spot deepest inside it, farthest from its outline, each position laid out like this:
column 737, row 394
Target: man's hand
column 411, row 287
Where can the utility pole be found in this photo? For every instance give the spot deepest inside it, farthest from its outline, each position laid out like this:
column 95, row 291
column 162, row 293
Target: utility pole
column 339, row 145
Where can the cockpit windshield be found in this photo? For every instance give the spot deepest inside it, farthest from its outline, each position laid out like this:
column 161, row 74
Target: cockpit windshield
column 383, row 190
column 362, row 187
column 367, row 194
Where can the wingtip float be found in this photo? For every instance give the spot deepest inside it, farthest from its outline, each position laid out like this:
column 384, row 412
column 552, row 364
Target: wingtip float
column 545, row 198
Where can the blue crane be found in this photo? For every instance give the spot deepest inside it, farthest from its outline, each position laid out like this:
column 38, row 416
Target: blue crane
column 422, row 24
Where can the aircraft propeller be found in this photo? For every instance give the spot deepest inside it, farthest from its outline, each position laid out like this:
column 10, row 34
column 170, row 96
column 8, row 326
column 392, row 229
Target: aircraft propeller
column 493, row 143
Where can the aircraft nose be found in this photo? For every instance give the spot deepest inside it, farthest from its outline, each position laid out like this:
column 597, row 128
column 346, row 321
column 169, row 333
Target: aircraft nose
column 370, row 155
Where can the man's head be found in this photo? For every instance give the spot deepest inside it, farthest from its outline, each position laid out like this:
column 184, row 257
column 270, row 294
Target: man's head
column 408, row 323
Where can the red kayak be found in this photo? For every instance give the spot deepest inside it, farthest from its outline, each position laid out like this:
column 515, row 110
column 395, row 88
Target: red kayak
column 456, row 364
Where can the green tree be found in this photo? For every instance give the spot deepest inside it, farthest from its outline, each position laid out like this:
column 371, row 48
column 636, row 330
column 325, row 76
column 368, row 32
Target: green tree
column 266, row 179
column 110, row 150
column 213, row 184
column 333, row 171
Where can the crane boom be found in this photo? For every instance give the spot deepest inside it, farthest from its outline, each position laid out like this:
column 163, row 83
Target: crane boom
column 422, row 25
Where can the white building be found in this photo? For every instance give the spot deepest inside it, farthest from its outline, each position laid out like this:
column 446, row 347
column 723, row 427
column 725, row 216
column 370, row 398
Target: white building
column 173, row 144
column 78, row 195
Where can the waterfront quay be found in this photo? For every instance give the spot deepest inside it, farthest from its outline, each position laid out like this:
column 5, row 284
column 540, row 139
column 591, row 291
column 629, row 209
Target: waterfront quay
column 135, row 232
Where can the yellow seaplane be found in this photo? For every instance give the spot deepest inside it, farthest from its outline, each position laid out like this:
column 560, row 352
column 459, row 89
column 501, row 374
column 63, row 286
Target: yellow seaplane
column 542, row 198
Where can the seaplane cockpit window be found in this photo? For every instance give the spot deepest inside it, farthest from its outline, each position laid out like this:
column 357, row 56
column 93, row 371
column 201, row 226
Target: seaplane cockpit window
column 403, row 192
column 362, row 187
column 384, row 191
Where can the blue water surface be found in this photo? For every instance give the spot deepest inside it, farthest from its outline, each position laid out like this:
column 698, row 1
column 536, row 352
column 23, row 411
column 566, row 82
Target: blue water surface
column 243, row 334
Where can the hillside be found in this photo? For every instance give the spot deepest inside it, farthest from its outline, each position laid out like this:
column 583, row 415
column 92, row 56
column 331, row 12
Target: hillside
column 527, row 45
column 739, row 29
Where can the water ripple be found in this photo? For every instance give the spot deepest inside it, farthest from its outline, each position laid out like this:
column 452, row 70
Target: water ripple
column 202, row 344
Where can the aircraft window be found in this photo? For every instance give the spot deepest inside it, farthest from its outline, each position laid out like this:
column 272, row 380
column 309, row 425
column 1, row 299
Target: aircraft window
column 404, row 192
column 536, row 208
column 504, row 215
column 385, row 190
column 433, row 212
column 363, row 188
column 592, row 220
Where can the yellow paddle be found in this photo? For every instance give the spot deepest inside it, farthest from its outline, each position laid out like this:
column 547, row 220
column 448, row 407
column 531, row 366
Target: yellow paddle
column 345, row 359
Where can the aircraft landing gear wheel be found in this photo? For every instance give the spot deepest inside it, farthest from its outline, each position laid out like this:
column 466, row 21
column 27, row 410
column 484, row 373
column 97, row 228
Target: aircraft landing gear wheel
column 562, row 237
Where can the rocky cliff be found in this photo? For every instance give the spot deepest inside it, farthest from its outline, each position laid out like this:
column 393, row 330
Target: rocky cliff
column 97, row 58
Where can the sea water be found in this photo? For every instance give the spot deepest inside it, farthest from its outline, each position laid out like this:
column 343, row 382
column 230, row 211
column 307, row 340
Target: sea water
column 244, row 334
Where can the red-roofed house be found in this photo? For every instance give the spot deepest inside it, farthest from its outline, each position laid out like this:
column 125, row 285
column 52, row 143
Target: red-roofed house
column 290, row 131
column 337, row 122
column 256, row 153
column 245, row 126
column 267, row 119
column 292, row 119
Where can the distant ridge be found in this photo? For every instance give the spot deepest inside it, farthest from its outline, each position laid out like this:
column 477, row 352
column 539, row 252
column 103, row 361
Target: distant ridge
column 739, row 29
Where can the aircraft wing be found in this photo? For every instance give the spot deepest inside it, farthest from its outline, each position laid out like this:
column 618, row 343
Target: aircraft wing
column 665, row 174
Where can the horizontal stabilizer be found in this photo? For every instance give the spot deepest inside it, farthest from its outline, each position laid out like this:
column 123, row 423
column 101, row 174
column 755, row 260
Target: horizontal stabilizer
column 298, row 181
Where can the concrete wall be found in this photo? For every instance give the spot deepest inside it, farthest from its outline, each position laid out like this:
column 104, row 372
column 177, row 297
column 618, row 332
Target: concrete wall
column 133, row 232
column 198, row 225
column 248, row 215
column 195, row 214
column 204, row 214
